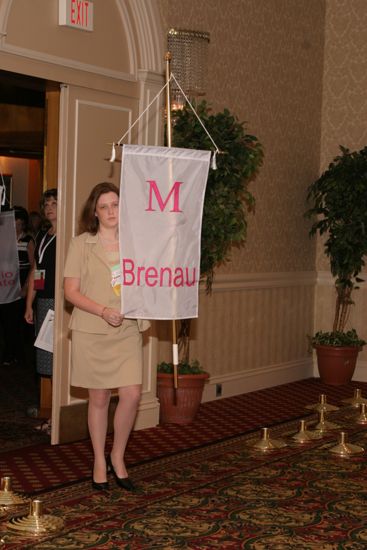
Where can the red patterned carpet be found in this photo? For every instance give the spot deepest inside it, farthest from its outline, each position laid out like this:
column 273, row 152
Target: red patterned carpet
column 222, row 495
column 36, row 468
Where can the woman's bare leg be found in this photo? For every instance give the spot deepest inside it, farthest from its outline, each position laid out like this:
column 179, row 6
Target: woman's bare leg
column 129, row 398
column 97, row 423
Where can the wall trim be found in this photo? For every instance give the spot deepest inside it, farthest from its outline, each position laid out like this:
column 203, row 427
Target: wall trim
column 254, row 281
column 256, row 379
column 67, row 63
column 326, row 278
column 146, row 23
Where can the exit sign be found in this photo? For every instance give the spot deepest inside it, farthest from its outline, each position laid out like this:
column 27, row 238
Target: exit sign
column 77, row 14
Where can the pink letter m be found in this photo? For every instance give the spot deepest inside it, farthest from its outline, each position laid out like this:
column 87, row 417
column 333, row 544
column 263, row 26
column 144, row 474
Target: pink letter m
column 175, row 190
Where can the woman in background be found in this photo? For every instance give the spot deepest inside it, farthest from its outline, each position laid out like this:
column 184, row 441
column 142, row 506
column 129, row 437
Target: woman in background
column 41, row 283
column 106, row 347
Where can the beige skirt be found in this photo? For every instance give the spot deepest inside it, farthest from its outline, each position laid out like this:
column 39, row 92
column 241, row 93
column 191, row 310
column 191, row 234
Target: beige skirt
column 107, row 361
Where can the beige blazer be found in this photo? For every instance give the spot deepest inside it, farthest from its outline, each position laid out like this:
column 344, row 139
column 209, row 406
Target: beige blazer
column 87, row 261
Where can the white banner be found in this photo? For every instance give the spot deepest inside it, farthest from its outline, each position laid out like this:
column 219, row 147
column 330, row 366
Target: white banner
column 162, row 196
column 9, row 263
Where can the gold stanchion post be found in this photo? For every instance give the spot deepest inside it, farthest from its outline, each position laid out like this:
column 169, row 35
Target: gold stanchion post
column 169, row 144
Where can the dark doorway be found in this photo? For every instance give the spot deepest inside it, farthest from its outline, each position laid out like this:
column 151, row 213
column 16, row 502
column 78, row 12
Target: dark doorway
column 23, row 115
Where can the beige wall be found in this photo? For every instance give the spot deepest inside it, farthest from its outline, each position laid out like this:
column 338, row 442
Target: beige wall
column 344, row 109
column 344, row 122
column 265, row 65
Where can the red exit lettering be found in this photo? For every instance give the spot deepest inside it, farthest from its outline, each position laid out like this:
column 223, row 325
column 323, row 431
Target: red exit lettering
column 79, row 12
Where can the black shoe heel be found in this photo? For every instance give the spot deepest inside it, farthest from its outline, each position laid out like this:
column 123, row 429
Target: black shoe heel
column 103, row 486
column 100, row 486
column 123, row 482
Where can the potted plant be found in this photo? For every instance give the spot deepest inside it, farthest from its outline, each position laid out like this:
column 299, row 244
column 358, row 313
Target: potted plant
column 227, row 203
column 339, row 209
column 179, row 406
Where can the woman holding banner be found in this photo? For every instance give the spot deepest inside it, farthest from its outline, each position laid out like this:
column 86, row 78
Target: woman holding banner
column 106, row 347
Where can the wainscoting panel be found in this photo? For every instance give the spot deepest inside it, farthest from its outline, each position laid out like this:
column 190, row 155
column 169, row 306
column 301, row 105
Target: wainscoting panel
column 252, row 331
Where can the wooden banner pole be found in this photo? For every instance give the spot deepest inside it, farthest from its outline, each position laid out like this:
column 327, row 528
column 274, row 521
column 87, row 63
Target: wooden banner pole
column 169, row 144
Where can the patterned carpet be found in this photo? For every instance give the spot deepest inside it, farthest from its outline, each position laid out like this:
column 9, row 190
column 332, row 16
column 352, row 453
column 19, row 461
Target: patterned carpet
column 19, row 392
column 40, row 467
column 223, row 495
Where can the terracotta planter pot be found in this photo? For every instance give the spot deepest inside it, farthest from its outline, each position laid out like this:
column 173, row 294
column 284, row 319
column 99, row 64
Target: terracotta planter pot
column 336, row 364
column 183, row 409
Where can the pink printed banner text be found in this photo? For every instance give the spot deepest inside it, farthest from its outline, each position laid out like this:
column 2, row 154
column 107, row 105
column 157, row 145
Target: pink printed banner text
column 161, row 204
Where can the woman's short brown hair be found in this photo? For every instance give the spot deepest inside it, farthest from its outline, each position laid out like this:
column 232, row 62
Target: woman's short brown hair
column 88, row 220
column 49, row 194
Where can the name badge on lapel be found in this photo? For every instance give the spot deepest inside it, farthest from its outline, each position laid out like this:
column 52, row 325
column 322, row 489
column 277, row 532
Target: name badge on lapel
column 116, row 279
column 39, row 279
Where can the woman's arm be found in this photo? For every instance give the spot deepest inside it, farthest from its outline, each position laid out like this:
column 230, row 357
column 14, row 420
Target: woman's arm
column 30, row 251
column 31, row 294
column 79, row 300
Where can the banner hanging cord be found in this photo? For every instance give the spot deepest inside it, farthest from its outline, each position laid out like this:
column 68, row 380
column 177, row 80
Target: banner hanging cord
column 172, row 76
column 113, row 153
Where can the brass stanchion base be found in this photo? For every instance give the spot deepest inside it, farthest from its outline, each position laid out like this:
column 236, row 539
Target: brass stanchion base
column 356, row 400
column 304, row 435
column 322, row 405
column 346, row 449
column 362, row 417
column 7, row 496
column 35, row 522
column 268, row 444
column 323, row 425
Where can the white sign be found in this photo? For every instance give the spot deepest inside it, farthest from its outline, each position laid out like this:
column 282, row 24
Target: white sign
column 45, row 337
column 9, row 262
column 161, row 203
column 77, row 14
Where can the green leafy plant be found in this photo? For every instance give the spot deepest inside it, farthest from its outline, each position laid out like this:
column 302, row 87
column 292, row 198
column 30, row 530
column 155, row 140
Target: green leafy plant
column 339, row 210
column 342, row 339
column 185, row 367
column 228, row 199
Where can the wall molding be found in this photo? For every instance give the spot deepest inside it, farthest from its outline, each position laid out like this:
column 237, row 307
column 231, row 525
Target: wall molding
column 326, row 278
column 256, row 379
column 141, row 27
column 67, row 63
column 254, row 281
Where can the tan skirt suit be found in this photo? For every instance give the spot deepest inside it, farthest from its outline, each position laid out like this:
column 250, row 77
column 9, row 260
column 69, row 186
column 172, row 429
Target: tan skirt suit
column 103, row 357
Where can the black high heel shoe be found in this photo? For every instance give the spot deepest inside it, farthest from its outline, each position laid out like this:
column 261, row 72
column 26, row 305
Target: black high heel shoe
column 123, row 482
column 103, row 486
column 100, row 486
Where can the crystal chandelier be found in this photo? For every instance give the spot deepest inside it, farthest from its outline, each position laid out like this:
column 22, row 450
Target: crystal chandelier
column 189, row 63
